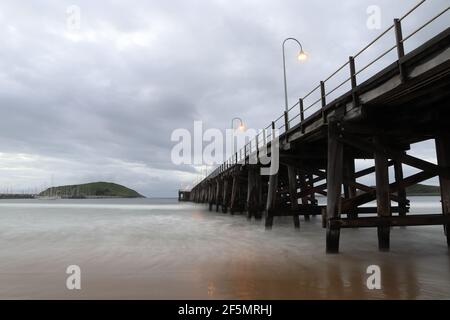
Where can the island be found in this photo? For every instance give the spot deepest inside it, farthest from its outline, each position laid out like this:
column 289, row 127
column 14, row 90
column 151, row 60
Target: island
column 91, row 190
column 423, row 190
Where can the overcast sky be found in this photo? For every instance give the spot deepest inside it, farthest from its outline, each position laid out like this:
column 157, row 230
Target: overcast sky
column 99, row 103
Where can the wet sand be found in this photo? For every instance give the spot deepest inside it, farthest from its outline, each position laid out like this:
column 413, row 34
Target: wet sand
column 154, row 249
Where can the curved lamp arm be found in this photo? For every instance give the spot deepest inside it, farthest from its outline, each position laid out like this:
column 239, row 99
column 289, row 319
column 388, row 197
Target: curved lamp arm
column 237, row 118
column 293, row 39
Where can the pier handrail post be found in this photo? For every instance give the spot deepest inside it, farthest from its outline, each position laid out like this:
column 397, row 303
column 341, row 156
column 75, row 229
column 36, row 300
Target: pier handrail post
column 323, row 99
column 273, row 130
column 351, row 62
column 399, row 38
column 322, row 94
column 286, row 121
column 302, row 112
column 400, row 47
column 257, row 147
column 302, row 115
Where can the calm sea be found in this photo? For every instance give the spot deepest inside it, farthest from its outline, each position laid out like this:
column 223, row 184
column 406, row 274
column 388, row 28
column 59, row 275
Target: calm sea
column 162, row 249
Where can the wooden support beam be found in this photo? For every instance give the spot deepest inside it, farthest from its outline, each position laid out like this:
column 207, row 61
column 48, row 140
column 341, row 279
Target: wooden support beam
column 372, row 210
column 401, row 191
column 395, row 155
column 210, row 196
column 310, row 183
column 361, row 199
column 310, row 154
column 369, row 170
column 292, row 176
column 234, row 192
column 443, row 159
column 252, row 193
column 271, row 200
column 218, row 194
column 303, row 187
column 259, row 194
column 271, row 193
column 393, row 221
column 383, row 194
column 350, row 188
column 308, row 191
column 334, row 182
column 302, row 209
column 318, row 179
column 225, row 195
column 302, row 167
column 367, row 189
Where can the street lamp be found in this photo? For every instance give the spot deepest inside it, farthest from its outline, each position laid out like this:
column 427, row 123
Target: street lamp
column 241, row 124
column 301, row 57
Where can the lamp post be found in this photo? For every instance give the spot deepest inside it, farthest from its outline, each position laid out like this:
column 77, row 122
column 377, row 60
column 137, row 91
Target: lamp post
column 301, row 57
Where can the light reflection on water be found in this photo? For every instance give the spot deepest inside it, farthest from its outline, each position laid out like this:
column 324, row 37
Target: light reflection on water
column 158, row 248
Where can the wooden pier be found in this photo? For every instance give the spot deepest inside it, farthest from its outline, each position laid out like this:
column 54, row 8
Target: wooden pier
column 406, row 102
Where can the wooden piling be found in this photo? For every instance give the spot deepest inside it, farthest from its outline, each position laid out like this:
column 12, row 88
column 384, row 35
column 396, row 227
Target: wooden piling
column 383, row 195
column 251, row 192
column 234, row 191
column 225, row 195
column 349, row 189
column 271, row 200
column 442, row 143
column 259, row 194
column 401, row 192
column 334, row 182
column 292, row 177
column 210, row 196
column 218, row 194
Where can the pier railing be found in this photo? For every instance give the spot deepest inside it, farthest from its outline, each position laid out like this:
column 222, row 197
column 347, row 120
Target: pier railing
column 316, row 99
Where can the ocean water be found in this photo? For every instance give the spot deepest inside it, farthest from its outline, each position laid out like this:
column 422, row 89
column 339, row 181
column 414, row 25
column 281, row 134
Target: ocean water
column 163, row 249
